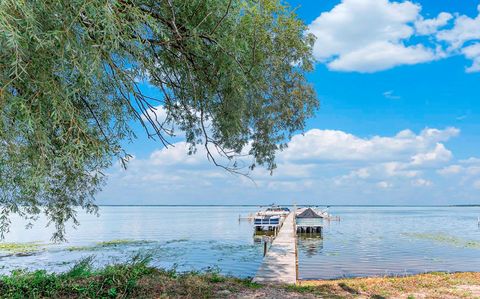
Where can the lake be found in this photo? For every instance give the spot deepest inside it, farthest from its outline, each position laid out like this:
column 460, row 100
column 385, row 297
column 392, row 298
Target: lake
column 367, row 241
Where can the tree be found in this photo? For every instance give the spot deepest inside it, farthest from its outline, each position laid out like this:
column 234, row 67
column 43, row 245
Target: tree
column 231, row 74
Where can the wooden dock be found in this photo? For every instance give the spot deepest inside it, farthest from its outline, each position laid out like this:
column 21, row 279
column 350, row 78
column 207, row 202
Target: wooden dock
column 280, row 263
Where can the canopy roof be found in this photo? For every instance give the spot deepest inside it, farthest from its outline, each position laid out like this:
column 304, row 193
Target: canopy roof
column 308, row 213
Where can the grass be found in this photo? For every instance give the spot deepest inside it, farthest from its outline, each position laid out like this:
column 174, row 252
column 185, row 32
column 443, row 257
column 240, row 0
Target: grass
column 133, row 279
column 136, row 279
column 429, row 285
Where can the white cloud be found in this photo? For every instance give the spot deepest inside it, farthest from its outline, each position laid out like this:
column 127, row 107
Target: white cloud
column 473, row 52
column 176, row 154
column 397, row 169
column 437, row 155
column 450, row 170
column 473, row 170
column 368, row 36
column 384, row 185
column 430, row 26
column 156, row 113
column 476, row 184
column 471, row 166
column 465, row 31
column 319, row 164
column 333, row 145
column 471, row 160
column 422, row 183
column 374, row 35
column 466, row 171
column 381, row 56
column 391, row 95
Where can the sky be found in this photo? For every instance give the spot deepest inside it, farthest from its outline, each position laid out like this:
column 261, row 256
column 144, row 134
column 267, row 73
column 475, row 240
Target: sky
column 399, row 118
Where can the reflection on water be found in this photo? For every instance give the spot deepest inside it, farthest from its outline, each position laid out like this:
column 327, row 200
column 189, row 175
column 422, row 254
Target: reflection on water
column 367, row 241
column 309, row 245
column 393, row 241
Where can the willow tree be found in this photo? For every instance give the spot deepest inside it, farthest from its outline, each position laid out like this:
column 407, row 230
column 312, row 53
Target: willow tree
column 69, row 90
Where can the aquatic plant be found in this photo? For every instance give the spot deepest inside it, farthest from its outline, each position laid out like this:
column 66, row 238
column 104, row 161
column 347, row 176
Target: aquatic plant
column 445, row 239
column 20, row 248
column 176, row 241
column 109, row 244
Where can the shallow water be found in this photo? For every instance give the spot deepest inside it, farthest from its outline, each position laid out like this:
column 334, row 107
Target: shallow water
column 367, row 241
column 393, row 241
column 188, row 238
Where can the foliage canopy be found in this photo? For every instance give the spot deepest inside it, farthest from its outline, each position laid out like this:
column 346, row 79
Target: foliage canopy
column 231, row 75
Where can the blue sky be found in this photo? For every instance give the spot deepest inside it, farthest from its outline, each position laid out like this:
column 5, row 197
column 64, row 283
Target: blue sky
column 399, row 120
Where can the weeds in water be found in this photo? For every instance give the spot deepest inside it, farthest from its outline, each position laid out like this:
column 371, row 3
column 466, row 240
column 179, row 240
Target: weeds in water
column 445, row 239
column 109, row 244
column 20, row 248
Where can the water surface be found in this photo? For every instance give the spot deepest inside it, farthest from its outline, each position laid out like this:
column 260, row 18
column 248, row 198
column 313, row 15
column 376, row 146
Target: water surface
column 393, row 241
column 367, row 241
column 187, row 238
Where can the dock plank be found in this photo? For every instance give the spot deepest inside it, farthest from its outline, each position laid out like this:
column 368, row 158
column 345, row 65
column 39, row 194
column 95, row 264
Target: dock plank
column 279, row 265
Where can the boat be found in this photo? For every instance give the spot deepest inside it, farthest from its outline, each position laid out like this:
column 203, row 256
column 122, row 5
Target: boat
column 270, row 219
column 267, row 220
column 274, row 210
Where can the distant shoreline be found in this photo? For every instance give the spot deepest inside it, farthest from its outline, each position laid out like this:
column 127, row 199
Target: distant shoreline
column 300, row 205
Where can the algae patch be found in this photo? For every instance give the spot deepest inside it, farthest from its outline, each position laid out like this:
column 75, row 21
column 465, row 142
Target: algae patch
column 176, row 241
column 109, row 244
column 20, row 249
column 445, row 239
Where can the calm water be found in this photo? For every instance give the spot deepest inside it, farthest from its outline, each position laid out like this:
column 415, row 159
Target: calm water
column 367, row 241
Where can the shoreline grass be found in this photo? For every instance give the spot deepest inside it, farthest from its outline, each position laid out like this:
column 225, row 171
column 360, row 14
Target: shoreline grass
column 136, row 279
column 425, row 285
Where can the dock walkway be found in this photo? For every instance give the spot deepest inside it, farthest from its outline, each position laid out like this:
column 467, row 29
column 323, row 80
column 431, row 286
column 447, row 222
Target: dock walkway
column 280, row 264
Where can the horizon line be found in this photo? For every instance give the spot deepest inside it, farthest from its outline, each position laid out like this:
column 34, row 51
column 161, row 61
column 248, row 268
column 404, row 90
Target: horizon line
column 266, row 205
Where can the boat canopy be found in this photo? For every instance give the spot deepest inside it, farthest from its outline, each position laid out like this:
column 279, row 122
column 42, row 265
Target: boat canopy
column 308, row 213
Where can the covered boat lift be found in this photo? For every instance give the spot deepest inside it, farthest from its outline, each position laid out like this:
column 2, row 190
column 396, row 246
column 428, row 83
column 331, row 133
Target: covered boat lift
column 309, row 221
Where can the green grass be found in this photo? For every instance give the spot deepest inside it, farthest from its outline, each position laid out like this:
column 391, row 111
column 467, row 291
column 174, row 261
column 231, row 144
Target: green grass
column 136, row 279
column 128, row 280
column 82, row 280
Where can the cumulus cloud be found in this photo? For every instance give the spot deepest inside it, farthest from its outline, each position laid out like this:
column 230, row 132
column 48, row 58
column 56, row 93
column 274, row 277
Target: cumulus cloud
column 438, row 154
column 450, row 170
column 471, row 161
column 334, row 145
column 464, row 29
column 369, row 36
column 472, row 52
column 157, row 114
column 422, row 183
column 318, row 163
column 430, row 26
column 463, row 38
column 374, row 35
